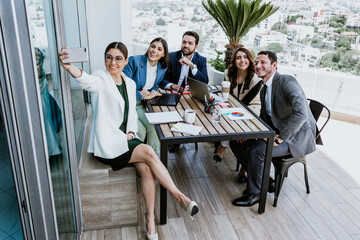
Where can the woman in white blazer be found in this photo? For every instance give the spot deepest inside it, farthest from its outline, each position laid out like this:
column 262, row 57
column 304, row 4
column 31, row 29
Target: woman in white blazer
column 246, row 86
column 112, row 139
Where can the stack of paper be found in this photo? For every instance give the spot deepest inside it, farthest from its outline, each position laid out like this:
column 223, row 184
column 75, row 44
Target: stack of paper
column 186, row 128
column 163, row 117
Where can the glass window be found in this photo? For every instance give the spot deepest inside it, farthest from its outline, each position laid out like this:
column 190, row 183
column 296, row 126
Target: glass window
column 10, row 223
column 43, row 36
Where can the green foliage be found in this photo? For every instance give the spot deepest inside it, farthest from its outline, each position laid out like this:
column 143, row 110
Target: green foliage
column 275, row 47
column 218, row 63
column 343, row 42
column 160, row 22
column 316, row 42
column 280, row 27
column 346, row 61
column 237, row 17
column 213, row 45
column 338, row 21
column 357, row 68
column 292, row 19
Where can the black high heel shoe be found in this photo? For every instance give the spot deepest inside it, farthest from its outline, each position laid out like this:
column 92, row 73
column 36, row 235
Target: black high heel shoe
column 241, row 178
column 217, row 158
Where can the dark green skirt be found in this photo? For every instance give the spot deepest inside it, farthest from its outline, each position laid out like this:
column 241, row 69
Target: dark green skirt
column 122, row 160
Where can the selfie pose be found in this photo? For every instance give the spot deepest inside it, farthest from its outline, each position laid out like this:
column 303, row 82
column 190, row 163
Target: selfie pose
column 113, row 139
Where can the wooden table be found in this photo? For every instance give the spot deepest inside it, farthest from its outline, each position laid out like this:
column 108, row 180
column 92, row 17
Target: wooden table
column 225, row 130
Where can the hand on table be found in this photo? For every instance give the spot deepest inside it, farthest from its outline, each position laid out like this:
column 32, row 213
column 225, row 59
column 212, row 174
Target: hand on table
column 151, row 95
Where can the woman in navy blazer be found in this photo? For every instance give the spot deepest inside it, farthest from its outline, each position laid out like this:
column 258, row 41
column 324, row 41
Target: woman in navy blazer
column 113, row 140
column 148, row 71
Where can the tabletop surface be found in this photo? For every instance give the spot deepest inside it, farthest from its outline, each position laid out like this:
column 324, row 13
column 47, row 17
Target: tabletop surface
column 205, row 119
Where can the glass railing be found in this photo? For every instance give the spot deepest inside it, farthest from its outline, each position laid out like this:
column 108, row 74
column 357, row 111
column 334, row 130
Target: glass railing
column 339, row 91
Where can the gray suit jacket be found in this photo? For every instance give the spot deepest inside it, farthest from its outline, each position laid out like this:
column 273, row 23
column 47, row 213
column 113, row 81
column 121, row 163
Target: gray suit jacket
column 291, row 115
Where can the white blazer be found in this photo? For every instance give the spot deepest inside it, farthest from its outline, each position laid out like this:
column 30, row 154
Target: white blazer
column 106, row 138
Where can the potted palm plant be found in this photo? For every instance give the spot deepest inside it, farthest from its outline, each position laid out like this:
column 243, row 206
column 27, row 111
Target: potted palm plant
column 237, row 17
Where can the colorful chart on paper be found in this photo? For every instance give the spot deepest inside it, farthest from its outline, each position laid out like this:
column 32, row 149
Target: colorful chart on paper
column 237, row 114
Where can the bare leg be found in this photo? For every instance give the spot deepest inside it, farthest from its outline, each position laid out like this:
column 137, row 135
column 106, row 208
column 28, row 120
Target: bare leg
column 221, row 151
column 145, row 154
column 147, row 182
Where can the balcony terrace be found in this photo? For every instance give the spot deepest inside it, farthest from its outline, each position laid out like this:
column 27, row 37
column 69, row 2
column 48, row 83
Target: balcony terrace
column 330, row 211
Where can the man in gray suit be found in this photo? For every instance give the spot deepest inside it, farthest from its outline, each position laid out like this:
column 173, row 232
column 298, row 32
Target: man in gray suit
column 283, row 107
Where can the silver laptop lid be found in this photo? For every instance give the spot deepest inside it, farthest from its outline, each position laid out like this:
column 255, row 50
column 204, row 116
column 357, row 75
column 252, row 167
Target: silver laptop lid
column 198, row 89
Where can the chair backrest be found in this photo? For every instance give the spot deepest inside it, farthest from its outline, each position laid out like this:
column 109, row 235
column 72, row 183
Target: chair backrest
column 316, row 110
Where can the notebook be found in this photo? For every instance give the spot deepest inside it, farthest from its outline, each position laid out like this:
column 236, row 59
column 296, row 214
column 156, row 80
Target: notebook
column 167, row 99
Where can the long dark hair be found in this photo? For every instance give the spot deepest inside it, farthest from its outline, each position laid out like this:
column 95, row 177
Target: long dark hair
column 165, row 60
column 233, row 70
column 117, row 45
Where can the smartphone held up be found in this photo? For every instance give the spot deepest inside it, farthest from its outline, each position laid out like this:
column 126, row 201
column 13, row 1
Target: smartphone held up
column 76, row 55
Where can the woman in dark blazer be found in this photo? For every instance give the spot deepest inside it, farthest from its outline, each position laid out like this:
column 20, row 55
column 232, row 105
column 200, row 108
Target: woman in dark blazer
column 148, row 71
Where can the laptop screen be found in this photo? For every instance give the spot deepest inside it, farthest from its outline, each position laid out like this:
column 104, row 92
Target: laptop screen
column 198, row 90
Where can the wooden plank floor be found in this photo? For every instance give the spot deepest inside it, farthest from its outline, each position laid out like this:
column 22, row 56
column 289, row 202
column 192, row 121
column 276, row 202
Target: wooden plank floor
column 330, row 211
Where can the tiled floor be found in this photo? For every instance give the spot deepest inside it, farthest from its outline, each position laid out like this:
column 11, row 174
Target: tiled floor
column 10, row 226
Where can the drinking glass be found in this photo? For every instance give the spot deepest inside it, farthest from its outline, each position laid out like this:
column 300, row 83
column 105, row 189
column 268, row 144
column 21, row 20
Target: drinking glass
column 216, row 116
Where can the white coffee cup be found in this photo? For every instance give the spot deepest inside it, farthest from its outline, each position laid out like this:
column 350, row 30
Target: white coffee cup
column 225, row 89
column 190, row 115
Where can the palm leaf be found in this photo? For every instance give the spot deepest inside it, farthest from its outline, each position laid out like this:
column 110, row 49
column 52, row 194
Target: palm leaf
column 237, row 17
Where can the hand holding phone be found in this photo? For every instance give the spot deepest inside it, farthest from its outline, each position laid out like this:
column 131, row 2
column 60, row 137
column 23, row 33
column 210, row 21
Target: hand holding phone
column 75, row 55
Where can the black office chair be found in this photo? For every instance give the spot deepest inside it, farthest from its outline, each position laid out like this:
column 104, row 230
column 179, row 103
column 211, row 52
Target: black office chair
column 282, row 164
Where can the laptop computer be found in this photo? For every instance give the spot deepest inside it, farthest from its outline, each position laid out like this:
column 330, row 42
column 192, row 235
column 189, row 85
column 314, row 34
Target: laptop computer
column 198, row 90
column 167, row 99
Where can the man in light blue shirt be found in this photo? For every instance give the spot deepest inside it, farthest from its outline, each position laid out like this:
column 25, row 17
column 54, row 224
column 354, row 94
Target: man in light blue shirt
column 186, row 63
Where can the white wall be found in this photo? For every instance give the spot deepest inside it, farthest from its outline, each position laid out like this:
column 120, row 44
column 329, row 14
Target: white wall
column 75, row 31
column 107, row 22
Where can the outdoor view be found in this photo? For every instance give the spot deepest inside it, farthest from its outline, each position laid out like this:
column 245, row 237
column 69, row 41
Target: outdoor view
column 307, row 34
column 318, row 42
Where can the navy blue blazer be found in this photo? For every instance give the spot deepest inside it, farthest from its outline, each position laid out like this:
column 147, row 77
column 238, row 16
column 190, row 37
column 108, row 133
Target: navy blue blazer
column 197, row 59
column 136, row 70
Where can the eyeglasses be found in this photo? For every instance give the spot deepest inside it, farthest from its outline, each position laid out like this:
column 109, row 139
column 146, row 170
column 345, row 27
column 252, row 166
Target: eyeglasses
column 109, row 58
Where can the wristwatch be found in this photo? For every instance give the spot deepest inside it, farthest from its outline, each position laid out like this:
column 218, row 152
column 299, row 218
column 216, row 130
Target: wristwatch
column 277, row 141
column 193, row 67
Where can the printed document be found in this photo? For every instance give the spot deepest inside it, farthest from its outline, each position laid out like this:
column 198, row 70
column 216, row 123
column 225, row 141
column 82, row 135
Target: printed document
column 163, row 117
